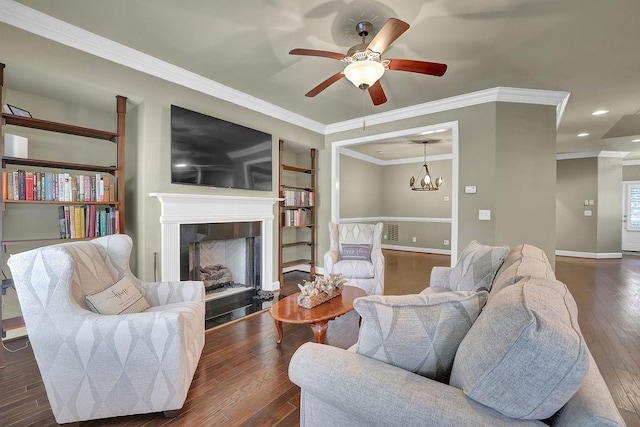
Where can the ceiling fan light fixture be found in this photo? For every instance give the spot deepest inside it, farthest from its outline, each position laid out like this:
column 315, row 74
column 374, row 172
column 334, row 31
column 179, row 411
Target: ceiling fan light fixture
column 365, row 73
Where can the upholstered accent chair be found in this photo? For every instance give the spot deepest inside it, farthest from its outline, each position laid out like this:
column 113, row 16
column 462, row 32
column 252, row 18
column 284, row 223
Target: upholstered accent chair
column 343, row 255
column 96, row 366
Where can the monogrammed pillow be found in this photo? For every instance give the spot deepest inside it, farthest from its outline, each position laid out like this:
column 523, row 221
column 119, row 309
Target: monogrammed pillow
column 120, row 298
column 356, row 251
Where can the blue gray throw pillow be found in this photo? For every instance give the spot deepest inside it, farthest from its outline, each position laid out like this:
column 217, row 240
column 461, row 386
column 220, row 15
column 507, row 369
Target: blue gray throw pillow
column 477, row 267
column 419, row 333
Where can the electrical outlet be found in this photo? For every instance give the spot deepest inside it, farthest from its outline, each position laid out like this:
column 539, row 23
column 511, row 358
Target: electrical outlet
column 446, row 243
column 414, row 239
column 385, row 237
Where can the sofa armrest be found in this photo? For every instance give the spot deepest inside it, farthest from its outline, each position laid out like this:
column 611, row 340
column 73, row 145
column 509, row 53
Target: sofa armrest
column 376, row 393
column 592, row 405
column 162, row 293
column 331, row 257
column 440, row 277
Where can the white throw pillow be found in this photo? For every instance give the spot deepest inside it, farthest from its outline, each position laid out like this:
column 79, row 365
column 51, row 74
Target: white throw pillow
column 123, row 297
column 477, row 267
column 419, row 333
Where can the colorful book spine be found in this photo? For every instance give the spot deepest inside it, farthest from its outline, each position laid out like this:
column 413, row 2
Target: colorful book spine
column 5, row 185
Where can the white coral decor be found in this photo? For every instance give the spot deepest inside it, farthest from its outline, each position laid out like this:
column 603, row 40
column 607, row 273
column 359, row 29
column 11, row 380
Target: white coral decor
column 326, row 285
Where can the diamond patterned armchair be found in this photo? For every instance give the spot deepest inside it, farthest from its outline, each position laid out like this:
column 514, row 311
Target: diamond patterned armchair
column 365, row 274
column 97, row 366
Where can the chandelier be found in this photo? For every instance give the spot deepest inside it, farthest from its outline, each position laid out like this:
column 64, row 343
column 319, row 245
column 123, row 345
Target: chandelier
column 424, row 181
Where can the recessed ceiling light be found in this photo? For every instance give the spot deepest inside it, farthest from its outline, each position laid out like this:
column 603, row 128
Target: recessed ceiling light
column 180, row 165
column 429, row 132
column 599, row 112
column 583, row 134
column 440, row 130
column 635, row 140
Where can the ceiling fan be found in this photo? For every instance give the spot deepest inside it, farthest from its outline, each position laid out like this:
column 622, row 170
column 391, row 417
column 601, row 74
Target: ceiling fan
column 365, row 65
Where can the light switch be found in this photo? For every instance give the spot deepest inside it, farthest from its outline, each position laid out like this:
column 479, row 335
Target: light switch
column 590, row 202
column 470, row 189
column 586, row 202
column 446, row 198
column 484, row 215
column 588, row 212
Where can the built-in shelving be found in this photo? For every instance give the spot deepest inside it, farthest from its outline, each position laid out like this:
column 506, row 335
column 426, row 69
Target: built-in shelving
column 306, row 242
column 117, row 137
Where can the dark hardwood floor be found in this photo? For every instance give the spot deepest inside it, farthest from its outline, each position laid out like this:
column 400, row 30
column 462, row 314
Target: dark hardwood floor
column 242, row 375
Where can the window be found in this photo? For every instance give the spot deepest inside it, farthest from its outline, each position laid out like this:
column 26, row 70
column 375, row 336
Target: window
column 633, row 207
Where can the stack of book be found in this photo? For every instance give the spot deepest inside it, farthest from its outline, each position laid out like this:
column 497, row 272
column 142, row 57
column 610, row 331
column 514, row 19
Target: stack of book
column 62, row 187
column 298, row 198
column 77, row 222
column 296, row 217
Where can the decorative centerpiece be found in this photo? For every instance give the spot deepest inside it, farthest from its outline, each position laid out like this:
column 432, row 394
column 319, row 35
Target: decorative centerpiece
column 320, row 290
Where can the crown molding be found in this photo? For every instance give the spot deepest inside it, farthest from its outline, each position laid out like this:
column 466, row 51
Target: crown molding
column 379, row 162
column 497, row 94
column 588, row 154
column 33, row 21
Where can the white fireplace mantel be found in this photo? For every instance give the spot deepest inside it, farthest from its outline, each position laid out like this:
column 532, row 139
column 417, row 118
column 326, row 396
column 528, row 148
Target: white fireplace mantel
column 179, row 209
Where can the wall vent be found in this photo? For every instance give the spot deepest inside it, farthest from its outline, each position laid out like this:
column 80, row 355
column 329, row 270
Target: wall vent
column 392, row 232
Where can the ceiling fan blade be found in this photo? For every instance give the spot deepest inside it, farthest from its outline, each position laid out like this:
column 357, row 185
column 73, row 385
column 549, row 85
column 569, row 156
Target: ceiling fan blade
column 320, row 53
column 325, row 84
column 391, row 30
column 377, row 94
column 422, row 67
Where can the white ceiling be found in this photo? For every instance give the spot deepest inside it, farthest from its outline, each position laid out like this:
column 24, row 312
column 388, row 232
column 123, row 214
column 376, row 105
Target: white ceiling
column 587, row 47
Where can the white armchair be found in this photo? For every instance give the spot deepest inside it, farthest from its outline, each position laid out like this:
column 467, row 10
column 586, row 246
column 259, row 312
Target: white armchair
column 97, row 366
column 365, row 274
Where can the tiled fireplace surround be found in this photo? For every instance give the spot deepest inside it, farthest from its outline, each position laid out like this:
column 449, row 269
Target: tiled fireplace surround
column 177, row 209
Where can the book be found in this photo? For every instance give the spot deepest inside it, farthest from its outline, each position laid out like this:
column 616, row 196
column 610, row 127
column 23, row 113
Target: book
column 10, row 186
column 77, row 210
column 81, row 196
column 5, row 185
column 28, row 185
column 16, row 186
column 71, row 221
column 63, row 222
column 117, row 225
column 92, row 220
column 103, row 223
column 107, row 189
column 21, row 185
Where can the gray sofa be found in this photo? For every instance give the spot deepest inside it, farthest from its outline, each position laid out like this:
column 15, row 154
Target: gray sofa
column 343, row 388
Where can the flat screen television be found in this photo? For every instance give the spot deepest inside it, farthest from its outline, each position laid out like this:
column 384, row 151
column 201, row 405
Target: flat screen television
column 216, row 153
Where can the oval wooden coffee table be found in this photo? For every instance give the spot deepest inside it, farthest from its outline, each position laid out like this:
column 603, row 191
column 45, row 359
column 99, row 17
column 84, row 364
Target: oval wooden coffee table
column 287, row 310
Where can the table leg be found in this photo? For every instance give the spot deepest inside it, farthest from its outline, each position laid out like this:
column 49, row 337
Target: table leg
column 280, row 332
column 320, row 330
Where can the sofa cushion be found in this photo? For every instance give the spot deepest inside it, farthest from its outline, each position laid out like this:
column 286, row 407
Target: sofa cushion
column 123, row 297
column 419, row 333
column 524, row 356
column 476, row 267
column 522, row 261
column 357, row 269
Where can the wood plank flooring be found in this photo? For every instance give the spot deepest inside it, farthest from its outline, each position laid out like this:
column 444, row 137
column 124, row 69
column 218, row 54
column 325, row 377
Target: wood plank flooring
column 242, row 376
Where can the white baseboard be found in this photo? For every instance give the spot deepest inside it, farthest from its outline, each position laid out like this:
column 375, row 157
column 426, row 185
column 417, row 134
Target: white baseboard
column 594, row 255
column 414, row 249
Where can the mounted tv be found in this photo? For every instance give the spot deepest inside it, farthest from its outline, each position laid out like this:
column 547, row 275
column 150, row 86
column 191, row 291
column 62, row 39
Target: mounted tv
column 216, row 153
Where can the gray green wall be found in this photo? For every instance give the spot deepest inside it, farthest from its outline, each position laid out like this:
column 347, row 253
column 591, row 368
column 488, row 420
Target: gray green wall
column 577, row 182
column 362, row 188
column 490, row 136
column 631, row 173
column 609, row 233
column 594, row 178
